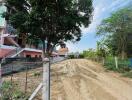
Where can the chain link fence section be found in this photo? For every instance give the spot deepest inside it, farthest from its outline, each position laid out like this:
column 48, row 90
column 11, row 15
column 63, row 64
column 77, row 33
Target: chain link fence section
column 21, row 76
column 115, row 63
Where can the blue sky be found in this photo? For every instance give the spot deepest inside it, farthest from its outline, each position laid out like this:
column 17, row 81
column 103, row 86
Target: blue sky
column 102, row 9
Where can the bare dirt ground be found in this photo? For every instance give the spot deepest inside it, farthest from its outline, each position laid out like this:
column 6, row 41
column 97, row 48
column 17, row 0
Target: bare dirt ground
column 86, row 80
column 81, row 79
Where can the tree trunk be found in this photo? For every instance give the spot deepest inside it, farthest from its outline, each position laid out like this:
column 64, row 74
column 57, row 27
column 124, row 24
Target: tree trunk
column 103, row 60
column 123, row 45
column 122, row 55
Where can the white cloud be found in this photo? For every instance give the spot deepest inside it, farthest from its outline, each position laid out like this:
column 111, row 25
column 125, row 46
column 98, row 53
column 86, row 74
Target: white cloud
column 102, row 9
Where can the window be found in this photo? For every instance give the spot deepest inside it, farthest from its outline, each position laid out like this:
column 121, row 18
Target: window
column 39, row 56
column 28, row 56
column 36, row 56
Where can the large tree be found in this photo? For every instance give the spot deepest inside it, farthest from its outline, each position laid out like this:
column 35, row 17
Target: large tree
column 117, row 30
column 50, row 20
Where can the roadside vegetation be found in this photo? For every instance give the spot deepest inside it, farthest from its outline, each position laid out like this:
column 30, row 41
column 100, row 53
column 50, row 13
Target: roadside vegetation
column 114, row 50
column 124, row 65
column 16, row 94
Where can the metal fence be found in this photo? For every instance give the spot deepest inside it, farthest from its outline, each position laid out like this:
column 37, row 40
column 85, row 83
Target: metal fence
column 21, row 76
column 114, row 63
column 121, row 65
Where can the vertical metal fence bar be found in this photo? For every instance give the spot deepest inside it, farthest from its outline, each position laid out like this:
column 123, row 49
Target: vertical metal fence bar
column 0, row 79
column 11, row 74
column 26, row 79
column 49, row 77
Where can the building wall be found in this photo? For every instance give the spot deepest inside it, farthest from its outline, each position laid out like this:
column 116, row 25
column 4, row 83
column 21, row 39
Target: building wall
column 31, row 54
column 63, row 51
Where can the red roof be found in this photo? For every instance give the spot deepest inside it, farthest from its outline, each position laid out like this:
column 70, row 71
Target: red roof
column 5, row 52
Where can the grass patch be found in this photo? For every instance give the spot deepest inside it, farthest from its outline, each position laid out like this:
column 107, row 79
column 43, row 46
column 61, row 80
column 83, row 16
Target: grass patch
column 128, row 74
column 11, row 92
column 123, row 66
column 36, row 74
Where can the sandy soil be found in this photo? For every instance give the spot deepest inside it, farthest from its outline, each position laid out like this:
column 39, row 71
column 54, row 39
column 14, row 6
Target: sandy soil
column 86, row 80
column 80, row 79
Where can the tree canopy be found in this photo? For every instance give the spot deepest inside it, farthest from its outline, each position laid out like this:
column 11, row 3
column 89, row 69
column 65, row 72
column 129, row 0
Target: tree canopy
column 117, row 31
column 51, row 20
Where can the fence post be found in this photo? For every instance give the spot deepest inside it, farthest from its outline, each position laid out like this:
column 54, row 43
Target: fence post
column 116, row 62
column 46, row 80
column 11, row 74
column 0, row 79
column 26, row 79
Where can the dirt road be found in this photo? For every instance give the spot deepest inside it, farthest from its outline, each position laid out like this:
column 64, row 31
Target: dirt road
column 85, row 80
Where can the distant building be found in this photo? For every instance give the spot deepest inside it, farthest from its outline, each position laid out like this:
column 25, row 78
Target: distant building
column 63, row 50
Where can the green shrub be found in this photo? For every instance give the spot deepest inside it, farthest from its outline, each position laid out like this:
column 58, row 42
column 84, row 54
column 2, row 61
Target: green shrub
column 81, row 56
column 71, row 56
column 11, row 92
column 123, row 65
column 36, row 74
column 128, row 74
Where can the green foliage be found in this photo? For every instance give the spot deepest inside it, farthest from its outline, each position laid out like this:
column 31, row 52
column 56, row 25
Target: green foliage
column 11, row 92
column 81, row 56
column 76, row 55
column 128, row 74
column 17, row 14
column 71, row 56
column 90, row 53
column 100, row 52
column 117, row 31
column 51, row 20
column 101, row 49
column 36, row 74
column 123, row 65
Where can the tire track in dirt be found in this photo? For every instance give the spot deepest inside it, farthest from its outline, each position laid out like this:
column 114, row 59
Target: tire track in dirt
column 85, row 80
column 116, row 87
column 71, row 91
